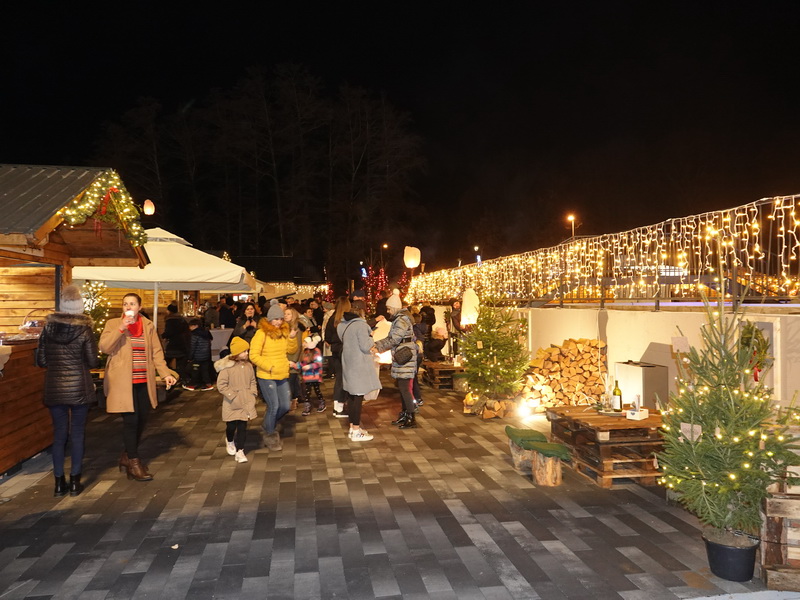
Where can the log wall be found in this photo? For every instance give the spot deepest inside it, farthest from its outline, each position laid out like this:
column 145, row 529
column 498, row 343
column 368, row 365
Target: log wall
column 23, row 289
column 25, row 426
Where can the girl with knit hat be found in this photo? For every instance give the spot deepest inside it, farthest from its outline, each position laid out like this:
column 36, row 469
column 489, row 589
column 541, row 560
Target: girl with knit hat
column 237, row 384
column 273, row 340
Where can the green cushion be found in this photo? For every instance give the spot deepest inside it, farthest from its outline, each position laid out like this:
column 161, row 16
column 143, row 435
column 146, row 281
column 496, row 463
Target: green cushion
column 547, row 449
column 520, row 435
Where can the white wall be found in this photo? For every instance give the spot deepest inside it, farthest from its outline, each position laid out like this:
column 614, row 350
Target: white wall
column 646, row 336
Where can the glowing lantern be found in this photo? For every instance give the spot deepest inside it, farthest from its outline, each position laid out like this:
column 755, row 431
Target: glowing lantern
column 411, row 257
column 469, row 307
column 149, row 208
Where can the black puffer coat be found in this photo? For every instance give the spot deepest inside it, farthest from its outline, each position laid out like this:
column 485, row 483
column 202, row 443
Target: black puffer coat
column 67, row 347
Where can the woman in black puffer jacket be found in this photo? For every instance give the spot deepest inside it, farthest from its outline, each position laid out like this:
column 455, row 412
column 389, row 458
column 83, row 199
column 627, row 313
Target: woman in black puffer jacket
column 68, row 348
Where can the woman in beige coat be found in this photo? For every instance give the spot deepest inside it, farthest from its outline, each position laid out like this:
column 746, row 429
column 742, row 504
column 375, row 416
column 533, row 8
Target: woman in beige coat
column 134, row 356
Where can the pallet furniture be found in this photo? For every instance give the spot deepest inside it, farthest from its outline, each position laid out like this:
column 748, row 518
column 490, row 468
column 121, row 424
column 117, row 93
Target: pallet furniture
column 439, row 375
column 605, row 448
column 780, row 535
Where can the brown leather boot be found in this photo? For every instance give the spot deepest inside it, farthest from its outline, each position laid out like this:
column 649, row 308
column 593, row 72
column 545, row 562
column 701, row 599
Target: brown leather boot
column 123, row 461
column 137, row 471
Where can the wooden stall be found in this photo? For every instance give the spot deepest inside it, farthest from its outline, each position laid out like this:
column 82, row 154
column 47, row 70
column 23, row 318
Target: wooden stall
column 51, row 219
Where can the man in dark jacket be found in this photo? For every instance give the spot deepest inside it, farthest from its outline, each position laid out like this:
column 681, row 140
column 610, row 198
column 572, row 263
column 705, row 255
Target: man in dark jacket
column 200, row 357
column 176, row 336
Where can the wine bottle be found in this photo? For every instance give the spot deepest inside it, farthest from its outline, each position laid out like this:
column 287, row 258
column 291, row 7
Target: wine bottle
column 617, row 397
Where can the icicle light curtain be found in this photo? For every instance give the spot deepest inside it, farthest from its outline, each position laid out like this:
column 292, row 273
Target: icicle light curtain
column 758, row 245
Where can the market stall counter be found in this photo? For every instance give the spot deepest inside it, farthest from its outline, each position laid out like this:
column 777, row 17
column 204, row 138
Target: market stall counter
column 25, row 428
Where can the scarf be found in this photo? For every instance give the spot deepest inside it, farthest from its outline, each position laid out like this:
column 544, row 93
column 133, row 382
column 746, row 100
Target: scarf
column 135, row 328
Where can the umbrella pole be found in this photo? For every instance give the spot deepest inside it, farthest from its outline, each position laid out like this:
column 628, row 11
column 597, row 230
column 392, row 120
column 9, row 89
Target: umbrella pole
column 155, row 305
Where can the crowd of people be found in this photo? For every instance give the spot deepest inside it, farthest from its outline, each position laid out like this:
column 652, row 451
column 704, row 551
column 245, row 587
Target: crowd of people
column 277, row 351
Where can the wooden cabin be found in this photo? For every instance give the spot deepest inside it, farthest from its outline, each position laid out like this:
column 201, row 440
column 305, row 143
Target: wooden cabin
column 51, row 219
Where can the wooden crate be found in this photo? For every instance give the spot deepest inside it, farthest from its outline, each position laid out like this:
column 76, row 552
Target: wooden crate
column 439, row 375
column 607, row 448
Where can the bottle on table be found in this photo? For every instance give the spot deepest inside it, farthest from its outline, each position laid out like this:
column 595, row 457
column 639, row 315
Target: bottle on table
column 616, row 397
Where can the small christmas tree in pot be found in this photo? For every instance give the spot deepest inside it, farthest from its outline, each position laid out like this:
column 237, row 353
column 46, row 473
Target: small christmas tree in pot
column 726, row 440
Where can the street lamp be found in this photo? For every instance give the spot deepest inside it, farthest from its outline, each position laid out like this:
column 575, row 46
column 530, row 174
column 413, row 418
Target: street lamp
column 385, row 246
column 571, row 219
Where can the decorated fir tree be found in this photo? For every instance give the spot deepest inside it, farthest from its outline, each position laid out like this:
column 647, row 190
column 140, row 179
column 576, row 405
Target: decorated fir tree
column 96, row 304
column 725, row 438
column 494, row 358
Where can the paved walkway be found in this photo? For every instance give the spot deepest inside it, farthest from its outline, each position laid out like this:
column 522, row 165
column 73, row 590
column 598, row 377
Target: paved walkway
column 435, row 512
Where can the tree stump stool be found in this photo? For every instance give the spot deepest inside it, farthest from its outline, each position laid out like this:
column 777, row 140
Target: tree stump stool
column 546, row 470
column 530, row 451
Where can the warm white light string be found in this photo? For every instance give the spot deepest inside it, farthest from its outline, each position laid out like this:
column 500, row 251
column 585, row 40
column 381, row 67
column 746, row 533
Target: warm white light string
column 758, row 243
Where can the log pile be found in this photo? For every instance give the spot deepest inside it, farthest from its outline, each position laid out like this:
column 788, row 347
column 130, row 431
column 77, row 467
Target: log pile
column 568, row 374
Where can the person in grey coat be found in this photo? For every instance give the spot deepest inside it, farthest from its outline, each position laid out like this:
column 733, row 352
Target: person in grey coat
column 359, row 375
column 401, row 335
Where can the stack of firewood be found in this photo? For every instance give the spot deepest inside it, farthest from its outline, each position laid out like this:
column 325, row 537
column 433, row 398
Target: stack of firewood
column 572, row 373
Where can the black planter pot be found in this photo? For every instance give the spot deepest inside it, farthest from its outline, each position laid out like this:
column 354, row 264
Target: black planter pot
column 731, row 562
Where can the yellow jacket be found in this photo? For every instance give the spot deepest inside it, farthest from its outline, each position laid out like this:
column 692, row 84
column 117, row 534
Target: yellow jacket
column 268, row 350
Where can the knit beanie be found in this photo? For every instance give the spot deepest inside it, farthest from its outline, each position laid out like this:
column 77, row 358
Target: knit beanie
column 275, row 311
column 238, row 345
column 71, row 300
column 394, row 301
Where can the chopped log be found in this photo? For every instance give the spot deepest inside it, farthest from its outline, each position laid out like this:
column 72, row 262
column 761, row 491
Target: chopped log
column 546, row 470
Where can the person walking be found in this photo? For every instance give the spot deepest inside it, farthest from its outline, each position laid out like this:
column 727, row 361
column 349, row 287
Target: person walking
column 237, row 384
column 134, row 357
column 311, row 372
column 68, row 349
column 199, row 357
column 335, row 359
column 176, row 335
column 404, row 357
column 273, row 340
column 359, row 375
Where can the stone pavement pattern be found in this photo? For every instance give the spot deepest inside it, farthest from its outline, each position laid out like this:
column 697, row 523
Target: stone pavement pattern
column 433, row 512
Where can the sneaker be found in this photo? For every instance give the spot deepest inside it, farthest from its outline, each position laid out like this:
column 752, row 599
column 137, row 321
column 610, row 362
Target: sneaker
column 360, row 435
column 340, row 415
column 230, row 447
column 321, row 408
column 207, row 387
column 191, row 388
column 305, row 412
column 240, row 457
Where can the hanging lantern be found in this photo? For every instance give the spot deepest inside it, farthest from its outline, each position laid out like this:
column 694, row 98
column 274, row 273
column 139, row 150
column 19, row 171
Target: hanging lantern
column 411, row 257
column 149, row 208
column 469, row 307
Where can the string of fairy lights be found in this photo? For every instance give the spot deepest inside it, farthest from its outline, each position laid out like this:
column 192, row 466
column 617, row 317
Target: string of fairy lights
column 757, row 244
column 106, row 199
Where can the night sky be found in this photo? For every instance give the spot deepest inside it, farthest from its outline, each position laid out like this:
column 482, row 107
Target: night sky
column 626, row 113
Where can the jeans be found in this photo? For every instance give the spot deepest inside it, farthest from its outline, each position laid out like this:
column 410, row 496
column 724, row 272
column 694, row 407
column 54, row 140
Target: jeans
column 68, row 421
column 278, row 396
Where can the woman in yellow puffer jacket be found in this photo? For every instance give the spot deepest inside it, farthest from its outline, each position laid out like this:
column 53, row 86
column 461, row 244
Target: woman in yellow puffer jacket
column 268, row 348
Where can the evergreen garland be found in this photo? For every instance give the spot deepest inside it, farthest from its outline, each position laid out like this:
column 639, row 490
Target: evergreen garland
column 725, row 438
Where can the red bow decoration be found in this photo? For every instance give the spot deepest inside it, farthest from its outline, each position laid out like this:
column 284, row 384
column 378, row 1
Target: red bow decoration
column 107, row 199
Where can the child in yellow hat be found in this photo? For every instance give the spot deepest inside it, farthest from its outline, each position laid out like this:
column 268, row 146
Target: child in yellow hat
column 237, row 384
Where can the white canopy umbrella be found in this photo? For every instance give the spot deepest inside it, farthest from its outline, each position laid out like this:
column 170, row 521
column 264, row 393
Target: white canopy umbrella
column 174, row 265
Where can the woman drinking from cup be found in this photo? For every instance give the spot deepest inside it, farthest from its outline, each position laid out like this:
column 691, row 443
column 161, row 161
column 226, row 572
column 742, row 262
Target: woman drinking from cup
column 134, row 356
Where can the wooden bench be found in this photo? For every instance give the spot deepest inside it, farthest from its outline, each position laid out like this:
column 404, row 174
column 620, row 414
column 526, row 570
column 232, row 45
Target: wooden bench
column 439, row 375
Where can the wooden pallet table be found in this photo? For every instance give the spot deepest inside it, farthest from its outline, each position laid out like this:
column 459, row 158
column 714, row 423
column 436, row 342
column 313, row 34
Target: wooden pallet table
column 439, row 375
column 605, row 448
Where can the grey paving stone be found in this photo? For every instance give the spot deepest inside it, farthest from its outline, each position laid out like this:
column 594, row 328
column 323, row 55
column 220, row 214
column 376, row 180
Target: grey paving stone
column 434, row 512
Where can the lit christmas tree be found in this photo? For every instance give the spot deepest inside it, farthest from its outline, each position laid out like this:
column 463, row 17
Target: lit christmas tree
column 725, row 438
column 96, row 304
column 494, row 357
